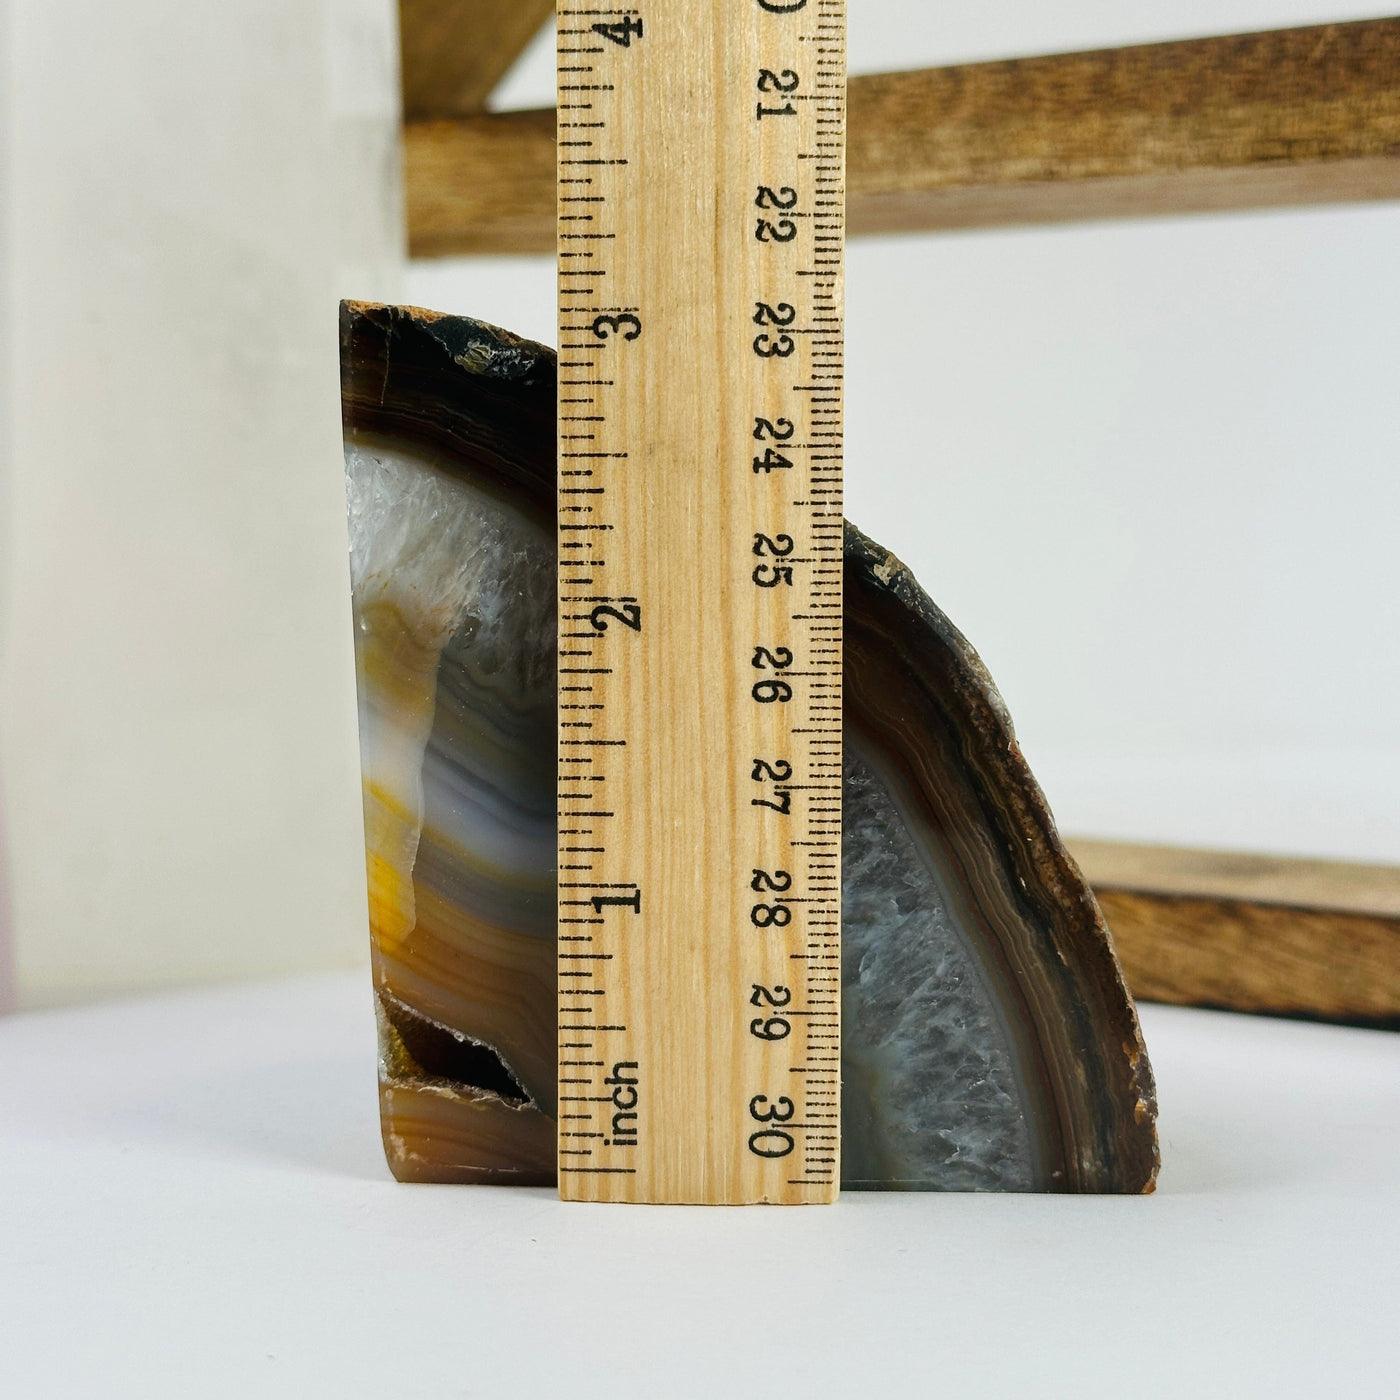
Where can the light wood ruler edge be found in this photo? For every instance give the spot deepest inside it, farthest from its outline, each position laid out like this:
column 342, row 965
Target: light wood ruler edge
column 700, row 238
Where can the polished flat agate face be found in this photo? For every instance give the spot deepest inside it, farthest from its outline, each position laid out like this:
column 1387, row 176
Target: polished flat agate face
column 989, row 1042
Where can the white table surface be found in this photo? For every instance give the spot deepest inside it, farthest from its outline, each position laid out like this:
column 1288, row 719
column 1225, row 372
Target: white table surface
column 193, row 1204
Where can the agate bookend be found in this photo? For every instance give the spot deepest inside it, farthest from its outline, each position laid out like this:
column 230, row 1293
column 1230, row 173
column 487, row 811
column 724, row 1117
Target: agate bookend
column 989, row 1040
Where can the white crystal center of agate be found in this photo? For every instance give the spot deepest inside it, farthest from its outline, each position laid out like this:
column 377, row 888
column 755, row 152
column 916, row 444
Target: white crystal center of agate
column 433, row 561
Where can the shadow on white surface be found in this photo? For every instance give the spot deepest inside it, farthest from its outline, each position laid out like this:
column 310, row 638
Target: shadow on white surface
column 281, row 1074
column 192, row 1187
column 319, row 1114
column 1258, row 1103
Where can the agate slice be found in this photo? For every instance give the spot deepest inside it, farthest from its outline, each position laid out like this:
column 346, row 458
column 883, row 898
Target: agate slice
column 989, row 1041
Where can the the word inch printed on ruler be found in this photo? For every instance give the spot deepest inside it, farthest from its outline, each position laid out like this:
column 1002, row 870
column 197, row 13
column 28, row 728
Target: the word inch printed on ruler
column 701, row 167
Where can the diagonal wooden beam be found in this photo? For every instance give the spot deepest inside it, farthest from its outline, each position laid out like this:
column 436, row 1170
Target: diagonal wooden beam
column 1252, row 933
column 454, row 52
column 1300, row 116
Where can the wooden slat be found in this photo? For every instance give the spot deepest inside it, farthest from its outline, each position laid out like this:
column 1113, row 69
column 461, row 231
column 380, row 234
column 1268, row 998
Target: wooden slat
column 484, row 185
column 1286, row 880
column 1252, row 933
column 454, row 52
column 1290, row 117
column 1301, row 116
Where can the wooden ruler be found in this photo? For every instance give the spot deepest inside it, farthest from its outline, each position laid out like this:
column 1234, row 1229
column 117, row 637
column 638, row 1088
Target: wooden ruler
column 701, row 214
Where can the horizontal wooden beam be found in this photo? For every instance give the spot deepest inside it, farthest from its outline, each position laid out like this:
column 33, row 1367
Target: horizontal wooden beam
column 454, row 52
column 1252, row 933
column 482, row 185
column 1282, row 880
column 1300, row 116
column 1295, row 116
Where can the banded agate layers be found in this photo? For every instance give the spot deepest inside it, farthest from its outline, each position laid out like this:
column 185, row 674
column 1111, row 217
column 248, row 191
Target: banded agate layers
column 989, row 1041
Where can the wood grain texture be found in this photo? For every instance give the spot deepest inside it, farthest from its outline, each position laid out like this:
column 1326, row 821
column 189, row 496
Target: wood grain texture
column 482, row 185
column 454, row 52
column 700, row 601
column 1289, row 117
column 1301, row 116
column 1286, row 880
column 1252, row 933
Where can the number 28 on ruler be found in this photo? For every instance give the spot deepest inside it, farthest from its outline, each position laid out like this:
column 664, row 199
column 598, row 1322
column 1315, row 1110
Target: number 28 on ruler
column 701, row 222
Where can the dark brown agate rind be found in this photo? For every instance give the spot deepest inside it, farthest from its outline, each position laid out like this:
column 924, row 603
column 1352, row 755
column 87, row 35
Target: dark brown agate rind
column 466, row 1007
column 475, row 398
column 917, row 694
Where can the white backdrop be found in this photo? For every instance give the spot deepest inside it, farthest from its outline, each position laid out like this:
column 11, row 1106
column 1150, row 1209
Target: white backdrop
column 1150, row 468
column 188, row 189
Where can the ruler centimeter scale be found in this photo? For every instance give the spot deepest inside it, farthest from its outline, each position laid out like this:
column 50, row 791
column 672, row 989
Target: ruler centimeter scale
column 701, row 169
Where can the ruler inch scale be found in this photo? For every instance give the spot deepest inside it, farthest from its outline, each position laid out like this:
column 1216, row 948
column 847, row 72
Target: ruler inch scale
column 701, row 203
